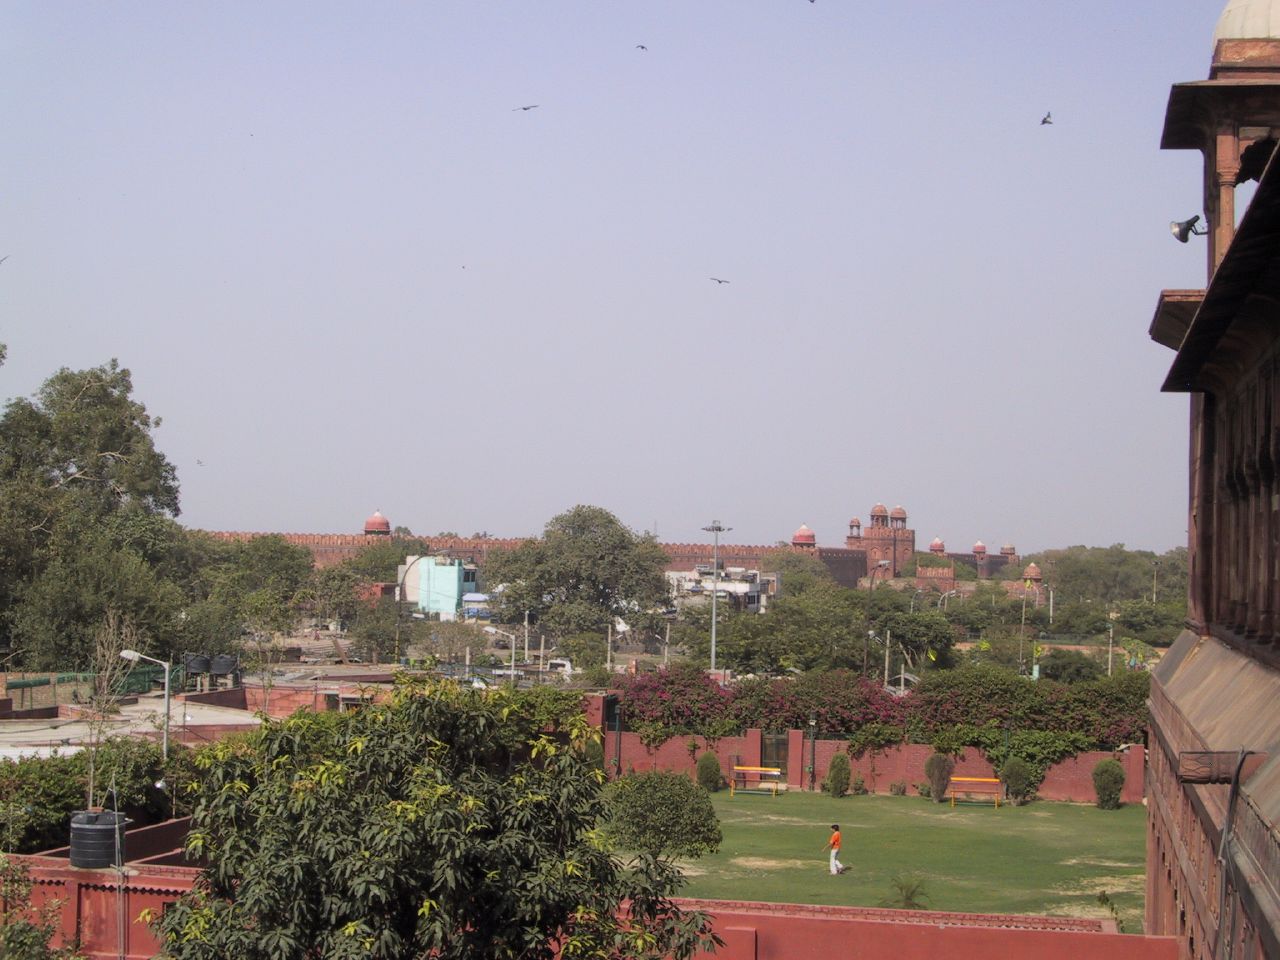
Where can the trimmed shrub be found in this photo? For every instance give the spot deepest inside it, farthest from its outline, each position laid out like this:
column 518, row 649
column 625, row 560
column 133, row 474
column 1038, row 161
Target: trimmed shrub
column 837, row 782
column 1108, row 781
column 898, row 788
column 924, row 789
column 710, row 777
column 1016, row 774
column 938, row 769
column 859, row 786
column 661, row 814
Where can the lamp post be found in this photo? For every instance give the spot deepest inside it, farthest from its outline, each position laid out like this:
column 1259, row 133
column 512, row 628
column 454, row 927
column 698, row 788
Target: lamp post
column 880, row 567
column 511, row 638
column 1111, row 637
column 913, row 600
column 942, row 600
column 1022, row 630
column 813, row 750
column 135, row 656
column 715, row 530
column 400, row 598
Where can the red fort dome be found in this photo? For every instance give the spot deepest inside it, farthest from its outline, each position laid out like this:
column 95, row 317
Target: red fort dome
column 879, row 510
column 377, row 525
column 980, row 548
column 937, row 546
column 1032, row 572
column 898, row 513
column 804, row 537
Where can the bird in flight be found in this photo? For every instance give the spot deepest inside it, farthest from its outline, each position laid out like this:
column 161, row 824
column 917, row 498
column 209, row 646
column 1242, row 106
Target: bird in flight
column 199, row 463
column 641, row 46
column 532, row 106
column 5, row 257
column 1046, row 119
column 718, row 280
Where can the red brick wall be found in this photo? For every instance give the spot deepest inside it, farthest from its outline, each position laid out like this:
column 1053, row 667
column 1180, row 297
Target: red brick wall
column 768, row 931
column 1071, row 780
column 751, row 931
column 674, row 755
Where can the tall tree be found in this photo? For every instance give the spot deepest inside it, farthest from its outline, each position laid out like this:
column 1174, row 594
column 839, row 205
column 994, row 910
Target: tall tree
column 443, row 823
column 587, row 568
column 796, row 571
column 80, row 476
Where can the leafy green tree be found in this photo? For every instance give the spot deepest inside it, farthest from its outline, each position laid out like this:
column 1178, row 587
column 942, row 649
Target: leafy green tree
column 837, row 781
column 374, row 630
column 820, row 628
column 586, row 569
column 1017, row 778
column 80, row 480
column 61, row 608
column 797, row 572
column 663, row 815
column 1108, row 783
column 378, row 562
column 710, row 775
column 442, row 823
column 584, row 650
column 1069, row 666
column 263, row 579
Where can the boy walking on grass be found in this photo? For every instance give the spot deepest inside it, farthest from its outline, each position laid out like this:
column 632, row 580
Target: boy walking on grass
column 833, row 844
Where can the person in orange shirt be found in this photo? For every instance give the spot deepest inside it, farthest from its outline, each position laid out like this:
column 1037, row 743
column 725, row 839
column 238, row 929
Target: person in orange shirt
column 833, row 844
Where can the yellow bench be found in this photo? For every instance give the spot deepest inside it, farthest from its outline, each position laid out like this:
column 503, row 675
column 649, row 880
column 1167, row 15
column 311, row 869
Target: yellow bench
column 766, row 780
column 984, row 785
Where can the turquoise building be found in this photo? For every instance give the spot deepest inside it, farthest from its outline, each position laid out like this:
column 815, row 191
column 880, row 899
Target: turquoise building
column 435, row 585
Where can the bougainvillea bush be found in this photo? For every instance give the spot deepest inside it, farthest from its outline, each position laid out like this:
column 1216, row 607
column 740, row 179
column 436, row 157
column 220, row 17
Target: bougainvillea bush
column 982, row 705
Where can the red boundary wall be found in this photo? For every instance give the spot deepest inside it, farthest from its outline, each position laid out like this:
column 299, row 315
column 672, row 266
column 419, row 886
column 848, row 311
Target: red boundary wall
column 775, row 931
column 1070, row 780
column 105, row 912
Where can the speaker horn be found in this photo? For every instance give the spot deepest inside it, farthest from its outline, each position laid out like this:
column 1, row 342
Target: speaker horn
column 1187, row 228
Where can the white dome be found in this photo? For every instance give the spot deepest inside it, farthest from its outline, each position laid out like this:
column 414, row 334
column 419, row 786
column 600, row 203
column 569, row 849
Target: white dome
column 1249, row 20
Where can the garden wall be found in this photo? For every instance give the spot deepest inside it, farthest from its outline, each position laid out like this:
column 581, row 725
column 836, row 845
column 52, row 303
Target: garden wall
column 776, row 931
column 1072, row 779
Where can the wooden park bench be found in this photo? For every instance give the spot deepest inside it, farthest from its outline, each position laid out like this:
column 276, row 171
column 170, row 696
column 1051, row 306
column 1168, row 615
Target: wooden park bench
column 989, row 786
column 765, row 780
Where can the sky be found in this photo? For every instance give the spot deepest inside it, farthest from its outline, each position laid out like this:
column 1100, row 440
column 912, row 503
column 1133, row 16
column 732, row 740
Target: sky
column 349, row 273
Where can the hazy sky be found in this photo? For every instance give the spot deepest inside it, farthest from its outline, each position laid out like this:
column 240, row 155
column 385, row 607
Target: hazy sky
column 349, row 274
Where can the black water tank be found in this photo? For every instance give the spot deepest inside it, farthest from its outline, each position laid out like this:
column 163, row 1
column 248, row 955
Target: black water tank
column 196, row 663
column 222, row 664
column 95, row 838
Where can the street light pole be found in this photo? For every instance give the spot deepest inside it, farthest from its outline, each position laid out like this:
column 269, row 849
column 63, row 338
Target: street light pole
column 813, row 750
column 715, row 530
column 880, row 567
column 400, row 599
column 135, row 656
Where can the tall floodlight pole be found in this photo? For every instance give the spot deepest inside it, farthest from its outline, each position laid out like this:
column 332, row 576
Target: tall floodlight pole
column 715, row 530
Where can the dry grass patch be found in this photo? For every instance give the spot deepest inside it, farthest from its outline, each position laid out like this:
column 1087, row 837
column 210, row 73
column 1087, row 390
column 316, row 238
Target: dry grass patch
column 765, row 863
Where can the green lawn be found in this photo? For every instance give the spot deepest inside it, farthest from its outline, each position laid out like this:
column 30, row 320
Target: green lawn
column 1043, row 858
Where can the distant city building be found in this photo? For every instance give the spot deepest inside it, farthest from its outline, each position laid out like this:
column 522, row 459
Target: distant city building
column 742, row 589
column 438, row 585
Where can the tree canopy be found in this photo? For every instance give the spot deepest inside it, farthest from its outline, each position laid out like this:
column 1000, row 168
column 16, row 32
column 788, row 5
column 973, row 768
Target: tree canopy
column 441, row 823
column 585, row 569
column 85, row 502
column 662, row 814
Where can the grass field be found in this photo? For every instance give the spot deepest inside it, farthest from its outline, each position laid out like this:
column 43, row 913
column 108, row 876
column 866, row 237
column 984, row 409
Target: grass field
column 1043, row 858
